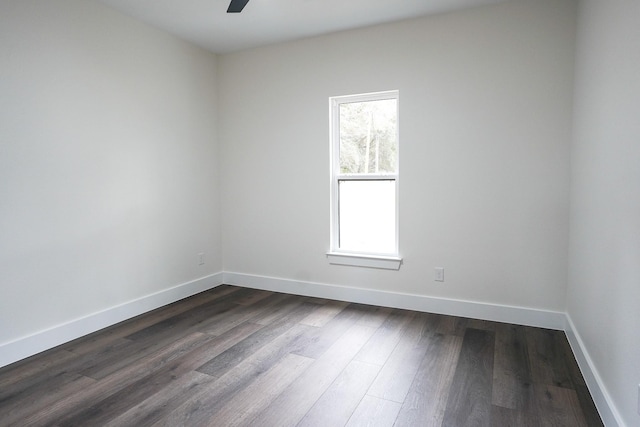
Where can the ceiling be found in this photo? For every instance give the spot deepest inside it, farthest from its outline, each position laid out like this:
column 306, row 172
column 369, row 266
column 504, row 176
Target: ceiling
column 262, row 22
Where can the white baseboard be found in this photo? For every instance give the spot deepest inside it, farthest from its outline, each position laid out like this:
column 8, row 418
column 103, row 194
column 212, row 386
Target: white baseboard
column 28, row 346
column 24, row 347
column 476, row 310
column 607, row 409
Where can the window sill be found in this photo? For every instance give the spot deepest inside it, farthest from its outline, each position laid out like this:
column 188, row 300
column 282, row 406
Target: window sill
column 370, row 261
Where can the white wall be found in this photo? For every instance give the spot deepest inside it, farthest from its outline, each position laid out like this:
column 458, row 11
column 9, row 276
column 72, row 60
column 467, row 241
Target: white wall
column 485, row 125
column 109, row 181
column 108, row 153
column 604, row 264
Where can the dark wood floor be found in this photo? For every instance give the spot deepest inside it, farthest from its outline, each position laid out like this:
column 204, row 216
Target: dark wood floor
column 234, row 356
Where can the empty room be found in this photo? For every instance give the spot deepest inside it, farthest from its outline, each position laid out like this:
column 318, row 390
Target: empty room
column 320, row 212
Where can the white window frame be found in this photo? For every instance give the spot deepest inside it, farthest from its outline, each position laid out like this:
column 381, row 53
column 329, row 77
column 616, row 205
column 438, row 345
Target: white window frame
column 391, row 260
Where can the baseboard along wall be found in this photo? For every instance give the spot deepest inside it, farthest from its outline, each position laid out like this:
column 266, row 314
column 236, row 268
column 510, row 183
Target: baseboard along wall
column 24, row 347
column 475, row 310
column 607, row 409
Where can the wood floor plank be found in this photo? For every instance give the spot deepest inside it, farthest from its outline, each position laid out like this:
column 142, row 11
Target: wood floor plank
column 464, row 323
column 512, row 417
column 398, row 372
column 40, row 398
column 243, row 313
column 200, row 320
column 589, row 410
column 34, row 366
column 123, row 357
column 558, row 406
column 284, row 307
column 155, row 406
column 68, row 404
column 336, row 405
column 322, row 338
column 548, row 364
column 426, row 401
column 571, row 364
column 316, row 300
column 57, row 374
column 215, row 347
column 378, row 349
column 324, row 314
column 93, row 342
column 203, row 406
column 269, row 368
column 512, row 381
column 374, row 412
column 374, row 316
column 452, row 325
column 294, row 402
column 222, row 363
column 253, row 297
column 185, row 321
column 444, row 324
column 469, row 402
column 101, row 411
column 261, row 392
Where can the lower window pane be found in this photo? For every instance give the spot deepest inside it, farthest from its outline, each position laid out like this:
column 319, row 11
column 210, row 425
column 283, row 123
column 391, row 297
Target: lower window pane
column 367, row 215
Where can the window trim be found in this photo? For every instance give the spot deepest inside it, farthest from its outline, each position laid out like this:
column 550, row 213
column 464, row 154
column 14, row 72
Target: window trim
column 391, row 260
column 371, row 261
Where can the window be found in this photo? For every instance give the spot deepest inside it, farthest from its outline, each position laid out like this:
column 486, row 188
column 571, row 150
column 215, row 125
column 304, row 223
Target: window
column 364, row 180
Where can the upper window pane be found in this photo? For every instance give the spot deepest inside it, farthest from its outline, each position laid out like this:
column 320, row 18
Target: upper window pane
column 368, row 137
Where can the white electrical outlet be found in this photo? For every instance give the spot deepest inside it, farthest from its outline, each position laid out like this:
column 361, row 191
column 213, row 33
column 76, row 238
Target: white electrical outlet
column 439, row 274
column 200, row 258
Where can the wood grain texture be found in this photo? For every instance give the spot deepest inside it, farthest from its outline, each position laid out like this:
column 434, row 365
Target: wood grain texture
column 69, row 404
column 243, row 314
column 469, row 402
column 97, row 340
column 558, row 406
column 225, row 361
column 335, row 406
column 240, row 357
column 157, row 406
column 38, row 400
column 426, row 401
column 321, row 338
column 512, row 417
column 31, row 369
column 257, row 396
column 134, row 393
column 398, row 372
column 548, row 358
column 378, row 349
column 324, row 314
column 513, row 384
column 374, row 412
column 292, row 405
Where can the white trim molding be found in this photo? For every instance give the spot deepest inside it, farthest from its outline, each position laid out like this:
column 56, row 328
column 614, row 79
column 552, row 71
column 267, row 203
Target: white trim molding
column 476, row 310
column 338, row 176
column 607, row 409
column 22, row 348
column 371, row 261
